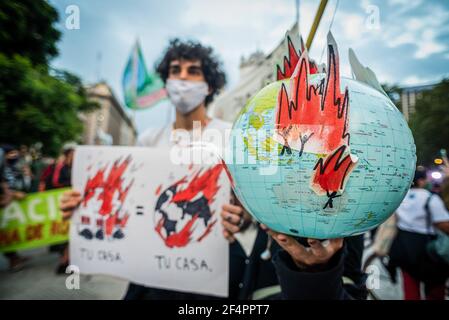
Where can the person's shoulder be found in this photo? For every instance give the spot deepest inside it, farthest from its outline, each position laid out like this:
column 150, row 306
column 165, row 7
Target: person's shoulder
column 419, row 193
column 435, row 198
column 219, row 124
column 150, row 136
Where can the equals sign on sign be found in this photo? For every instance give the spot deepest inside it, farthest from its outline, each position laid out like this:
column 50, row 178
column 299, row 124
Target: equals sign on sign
column 139, row 210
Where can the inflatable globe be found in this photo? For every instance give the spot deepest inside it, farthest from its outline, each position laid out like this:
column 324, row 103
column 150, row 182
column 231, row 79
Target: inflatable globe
column 319, row 156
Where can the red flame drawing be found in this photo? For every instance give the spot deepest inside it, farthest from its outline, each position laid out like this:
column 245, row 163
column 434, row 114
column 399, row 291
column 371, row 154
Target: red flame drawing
column 110, row 185
column 92, row 184
column 158, row 190
column 331, row 173
column 206, row 182
column 178, row 239
column 314, row 118
column 193, row 195
column 319, row 112
column 291, row 61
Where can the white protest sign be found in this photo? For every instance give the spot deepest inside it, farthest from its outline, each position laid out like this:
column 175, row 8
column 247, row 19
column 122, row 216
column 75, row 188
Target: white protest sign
column 150, row 221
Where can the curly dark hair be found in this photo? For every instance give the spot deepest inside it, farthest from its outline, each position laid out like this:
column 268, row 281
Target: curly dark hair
column 190, row 50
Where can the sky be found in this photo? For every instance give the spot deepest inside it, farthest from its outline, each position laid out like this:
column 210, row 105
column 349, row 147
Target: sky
column 404, row 42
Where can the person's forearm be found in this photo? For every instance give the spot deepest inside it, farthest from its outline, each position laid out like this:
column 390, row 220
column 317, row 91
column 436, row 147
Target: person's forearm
column 443, row 226
column 6, row 196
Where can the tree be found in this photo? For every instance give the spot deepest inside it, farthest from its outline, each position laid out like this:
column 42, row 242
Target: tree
column 27, row 29
column 38, row 107
column 37, row 104
column 430, row 122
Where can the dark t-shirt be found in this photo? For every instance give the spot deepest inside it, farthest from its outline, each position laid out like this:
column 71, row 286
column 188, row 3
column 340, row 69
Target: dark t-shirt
column 65, row 176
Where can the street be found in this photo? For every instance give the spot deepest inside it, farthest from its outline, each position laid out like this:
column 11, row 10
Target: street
column 39, row 281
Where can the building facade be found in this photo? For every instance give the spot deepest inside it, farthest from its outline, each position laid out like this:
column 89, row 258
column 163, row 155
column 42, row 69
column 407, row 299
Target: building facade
column 256, row 72
column 409, row 96
column 109, row 125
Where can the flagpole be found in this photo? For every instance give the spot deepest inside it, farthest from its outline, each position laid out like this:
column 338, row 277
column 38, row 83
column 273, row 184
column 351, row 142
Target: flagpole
column 297, row 12
column 134, row 69
column 134, row 81
column 316, row 22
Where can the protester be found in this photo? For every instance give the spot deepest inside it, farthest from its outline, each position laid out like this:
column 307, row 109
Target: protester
column 6, row 195
column 190, row 65
column 13, row 187
column 445, row 184
column 17, row 172
column 59, row 175
column 419, row 215
column 38, row 165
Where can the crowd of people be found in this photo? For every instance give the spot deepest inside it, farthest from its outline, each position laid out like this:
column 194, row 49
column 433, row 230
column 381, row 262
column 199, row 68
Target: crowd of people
column 25, row 170
column 263, row 264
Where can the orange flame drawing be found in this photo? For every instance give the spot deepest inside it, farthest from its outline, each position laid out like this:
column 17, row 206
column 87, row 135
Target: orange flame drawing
column 318, row 112
column 206, row 182
column 291, row 61
column 331, row 174
column 314, row 118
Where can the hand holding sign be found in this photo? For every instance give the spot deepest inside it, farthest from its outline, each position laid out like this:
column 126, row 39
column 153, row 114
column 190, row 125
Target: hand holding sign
column 70, row 200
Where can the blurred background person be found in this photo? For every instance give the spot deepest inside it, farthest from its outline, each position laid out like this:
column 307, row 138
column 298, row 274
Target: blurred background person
column 38, row 164
column 15, row 179
column 17, row 172
column 444, row 190
column 5, row 193
column 420, row 213
column 436, row 189
column 59, row 175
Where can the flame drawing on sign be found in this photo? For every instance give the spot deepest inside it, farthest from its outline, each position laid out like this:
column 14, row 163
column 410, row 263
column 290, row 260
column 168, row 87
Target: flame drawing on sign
column 111, row 194
column 313, row 118
column 188, row 200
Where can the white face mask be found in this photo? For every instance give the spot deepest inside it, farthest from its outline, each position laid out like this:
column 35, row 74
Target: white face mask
column 186, row 95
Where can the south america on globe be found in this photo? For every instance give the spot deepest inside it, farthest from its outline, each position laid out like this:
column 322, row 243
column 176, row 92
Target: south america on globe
column 318, row 155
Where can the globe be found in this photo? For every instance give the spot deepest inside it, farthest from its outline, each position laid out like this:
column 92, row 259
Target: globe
column 290, row 188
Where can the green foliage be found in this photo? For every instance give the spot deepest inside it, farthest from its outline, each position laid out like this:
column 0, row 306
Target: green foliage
column 38, row 107
column 37, row 104
column 430, row 122
column 26, row 29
